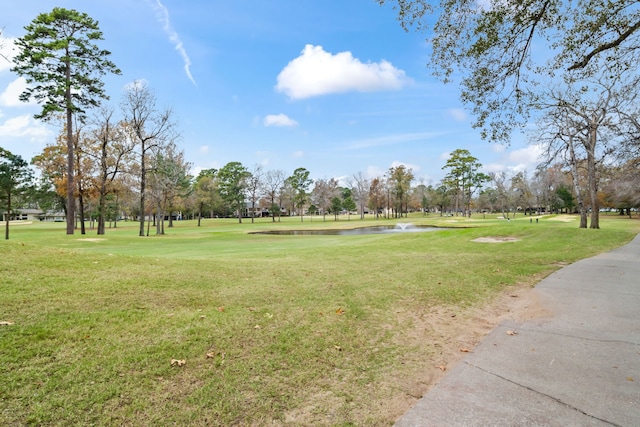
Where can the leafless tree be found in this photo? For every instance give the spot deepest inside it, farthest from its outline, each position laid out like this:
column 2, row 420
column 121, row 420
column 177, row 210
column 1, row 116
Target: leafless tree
column 149, row 129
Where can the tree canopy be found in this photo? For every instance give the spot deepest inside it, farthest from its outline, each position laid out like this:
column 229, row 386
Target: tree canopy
column 504, row 52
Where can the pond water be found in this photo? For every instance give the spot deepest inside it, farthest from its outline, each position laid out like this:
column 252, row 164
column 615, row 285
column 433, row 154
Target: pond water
column 378, row 229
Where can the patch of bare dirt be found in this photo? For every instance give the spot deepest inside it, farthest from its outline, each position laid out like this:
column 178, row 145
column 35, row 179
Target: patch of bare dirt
column 446, row 334
column 498, row 239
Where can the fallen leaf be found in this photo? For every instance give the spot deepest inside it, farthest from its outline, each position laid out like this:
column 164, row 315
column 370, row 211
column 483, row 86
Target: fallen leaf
column 210, row 355
column 268, row 315
column 512, row 333
column 337, row 347
column 220, row 309
column 5, row 323
column 202, row 316
column 257, row 327
column 629, row 379
column 178, row 362
column 466, row 350
column 442, row 368
column 340, row 310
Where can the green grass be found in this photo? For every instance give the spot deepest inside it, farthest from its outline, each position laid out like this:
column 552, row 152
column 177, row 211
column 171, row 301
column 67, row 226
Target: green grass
column 300, row 330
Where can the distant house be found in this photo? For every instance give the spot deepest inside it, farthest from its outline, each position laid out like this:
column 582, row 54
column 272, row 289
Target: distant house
column 23, row 215
column 28, row 214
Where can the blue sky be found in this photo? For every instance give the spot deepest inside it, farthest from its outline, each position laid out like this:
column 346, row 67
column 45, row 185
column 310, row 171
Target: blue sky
column 336, row 87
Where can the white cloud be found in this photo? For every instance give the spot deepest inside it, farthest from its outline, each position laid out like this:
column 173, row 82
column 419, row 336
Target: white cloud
column 11, row 95
column 136, row 84
column 374, row 172
column 316, row 72
column 162, row 13
column 390, row 140
column 519, row 160
column 445, row 155
column 280, row 120
column 24, row 126
column 414, row 168
column 204, row 149
column 298, row 154
column 525, row 156
column 458, row 114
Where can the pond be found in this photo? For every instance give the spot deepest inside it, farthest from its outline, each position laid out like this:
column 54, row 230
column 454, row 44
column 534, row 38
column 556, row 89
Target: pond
column 378, row 229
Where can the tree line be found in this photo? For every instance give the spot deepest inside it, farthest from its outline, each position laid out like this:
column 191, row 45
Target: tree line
column 584, row 98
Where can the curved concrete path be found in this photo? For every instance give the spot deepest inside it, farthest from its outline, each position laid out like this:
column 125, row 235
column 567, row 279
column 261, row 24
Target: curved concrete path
column 579, row 367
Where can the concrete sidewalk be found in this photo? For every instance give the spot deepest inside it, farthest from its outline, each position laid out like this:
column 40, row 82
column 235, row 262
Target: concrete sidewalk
column 580, row 367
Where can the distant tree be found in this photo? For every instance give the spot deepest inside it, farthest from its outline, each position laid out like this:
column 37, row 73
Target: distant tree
column 521, row 191
column 442, row 195
column 323, row 191
column 300, row 183
column 349, row 205
column 336, row 206
column 465, row 177
column 148, row 129
column 567, row 198
column 359, row 186
column 111, row 150
column 15, row 177
column 207, row 192
column 63, row 67
column 400, row 178
column 377, row 196
column 254, row 185
column 271, row 187
column 232, row 181
column 421, row 196
column 169, row 180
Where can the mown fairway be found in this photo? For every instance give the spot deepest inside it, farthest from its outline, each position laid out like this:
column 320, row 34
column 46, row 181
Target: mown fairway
column 274, row 330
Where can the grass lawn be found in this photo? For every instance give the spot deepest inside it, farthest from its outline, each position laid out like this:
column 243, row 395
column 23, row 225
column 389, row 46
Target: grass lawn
column 273, row 330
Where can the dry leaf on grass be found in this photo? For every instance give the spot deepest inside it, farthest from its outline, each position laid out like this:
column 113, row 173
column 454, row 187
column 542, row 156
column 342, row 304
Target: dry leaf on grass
column 221, row 309
column 339, row 310
column 178, row 362
column 337, row 347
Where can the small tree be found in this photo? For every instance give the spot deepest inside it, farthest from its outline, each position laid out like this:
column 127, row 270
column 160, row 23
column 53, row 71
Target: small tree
column 14, row 177
column 63, row 67
column 336, row 206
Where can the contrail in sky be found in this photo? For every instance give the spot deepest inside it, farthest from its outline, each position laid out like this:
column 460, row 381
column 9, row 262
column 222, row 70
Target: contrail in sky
column 163, row 18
